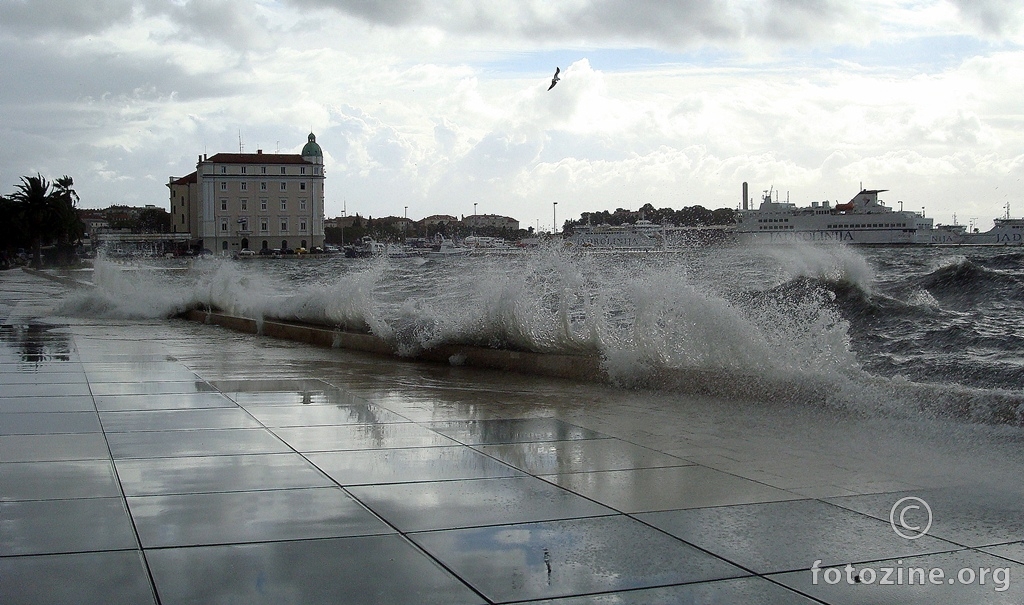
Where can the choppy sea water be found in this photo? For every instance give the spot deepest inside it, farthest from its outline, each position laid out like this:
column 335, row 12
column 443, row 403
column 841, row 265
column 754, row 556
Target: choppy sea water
column 906, row 330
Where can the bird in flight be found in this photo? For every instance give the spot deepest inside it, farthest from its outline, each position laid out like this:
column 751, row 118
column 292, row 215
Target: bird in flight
column 555, row 79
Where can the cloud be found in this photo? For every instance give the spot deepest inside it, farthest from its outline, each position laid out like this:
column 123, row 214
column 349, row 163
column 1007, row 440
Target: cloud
column 29, row 18
column 239, row 24
column 996, row 17
column 672, row 24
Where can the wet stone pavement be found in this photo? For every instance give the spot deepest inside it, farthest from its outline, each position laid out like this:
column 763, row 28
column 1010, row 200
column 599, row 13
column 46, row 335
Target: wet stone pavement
column 158, row 461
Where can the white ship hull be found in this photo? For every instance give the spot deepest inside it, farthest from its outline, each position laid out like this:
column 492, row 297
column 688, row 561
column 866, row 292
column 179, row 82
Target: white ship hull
column 1006, row 232
column 864, row 220
column 831, row 236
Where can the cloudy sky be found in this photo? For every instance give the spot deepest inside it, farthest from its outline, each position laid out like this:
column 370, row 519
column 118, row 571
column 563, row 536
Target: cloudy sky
column 437, row 105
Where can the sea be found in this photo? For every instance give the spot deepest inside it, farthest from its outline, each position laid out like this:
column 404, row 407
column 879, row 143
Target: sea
column 881, row 330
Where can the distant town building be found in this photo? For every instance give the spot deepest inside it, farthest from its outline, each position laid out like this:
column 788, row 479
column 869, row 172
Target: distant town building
column 94, row 221
column 399, row 222
column 437, row 219
column 342, row 222
column 477, row 221
column 252, row 200
column 184, row 195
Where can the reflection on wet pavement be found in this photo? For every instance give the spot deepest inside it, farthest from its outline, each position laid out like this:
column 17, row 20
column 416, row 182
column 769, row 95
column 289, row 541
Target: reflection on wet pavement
column 163, row 461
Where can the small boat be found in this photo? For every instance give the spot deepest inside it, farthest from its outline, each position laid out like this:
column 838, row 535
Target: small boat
column 445, row 247
column 367, row 246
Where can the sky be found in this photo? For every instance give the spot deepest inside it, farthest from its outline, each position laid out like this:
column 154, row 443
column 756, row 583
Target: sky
column 442, row 106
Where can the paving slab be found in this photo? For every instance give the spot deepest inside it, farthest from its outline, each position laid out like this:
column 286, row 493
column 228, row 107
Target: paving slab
column 570, row 557
column 370, row 570
column 113, row 577
column 260, row 516
column 468, row 503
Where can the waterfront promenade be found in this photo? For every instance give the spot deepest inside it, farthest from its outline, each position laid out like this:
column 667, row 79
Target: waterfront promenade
column 164, row 461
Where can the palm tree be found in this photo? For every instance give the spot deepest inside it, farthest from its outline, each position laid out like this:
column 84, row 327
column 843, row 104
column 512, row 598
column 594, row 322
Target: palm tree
column 65, row 186
column 68, row 228
column 34, row 201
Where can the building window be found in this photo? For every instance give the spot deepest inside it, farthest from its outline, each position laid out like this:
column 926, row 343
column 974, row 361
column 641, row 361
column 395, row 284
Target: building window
column 284, row 185
column 223, row 169
column 263, row 204
column 224, row 226
column 263, row 170
column 264, row 225
column 244, row 203
column 282, row 169
column 263, row 186
column 302, row 186
column 302, row 170
column 302, row 204
column 245, row 186
column 223, row 185
column 302, row 226
column 284, row 225
column 224, row 205
column 284, row 204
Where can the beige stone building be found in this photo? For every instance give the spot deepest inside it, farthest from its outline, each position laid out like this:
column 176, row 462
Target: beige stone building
column 477, row 221
column 256, row 200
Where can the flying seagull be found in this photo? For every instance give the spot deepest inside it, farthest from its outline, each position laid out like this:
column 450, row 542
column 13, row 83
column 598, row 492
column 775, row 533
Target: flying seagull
column 555, row 79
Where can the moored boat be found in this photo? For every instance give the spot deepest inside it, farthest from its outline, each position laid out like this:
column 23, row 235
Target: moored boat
column 367, row 246
column 445, row 247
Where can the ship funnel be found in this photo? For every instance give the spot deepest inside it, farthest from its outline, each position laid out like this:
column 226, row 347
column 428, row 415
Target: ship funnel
column 745, row 198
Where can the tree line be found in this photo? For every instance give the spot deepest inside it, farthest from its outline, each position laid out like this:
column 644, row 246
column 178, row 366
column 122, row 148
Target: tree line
column 390, row 230
column 147, row 220
column 689, row 216
column 41, row 213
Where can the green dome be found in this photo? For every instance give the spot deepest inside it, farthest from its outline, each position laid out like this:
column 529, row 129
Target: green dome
column 311, row 148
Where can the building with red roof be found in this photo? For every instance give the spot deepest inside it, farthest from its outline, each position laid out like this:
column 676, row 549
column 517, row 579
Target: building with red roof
column 235, row 201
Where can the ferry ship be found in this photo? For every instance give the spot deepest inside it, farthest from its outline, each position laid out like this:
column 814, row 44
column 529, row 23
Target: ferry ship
column 1005, row 231
column 865, row 219
column 645, row 235
column 642, row 235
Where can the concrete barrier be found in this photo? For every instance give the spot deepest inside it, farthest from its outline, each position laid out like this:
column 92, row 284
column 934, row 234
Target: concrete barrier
column 579, row 367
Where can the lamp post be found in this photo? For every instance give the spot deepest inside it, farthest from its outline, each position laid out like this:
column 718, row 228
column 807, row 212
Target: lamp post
column 554, row 217
column 474, row 208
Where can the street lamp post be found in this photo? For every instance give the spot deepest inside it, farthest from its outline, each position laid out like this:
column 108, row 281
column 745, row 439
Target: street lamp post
column 554, row 217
